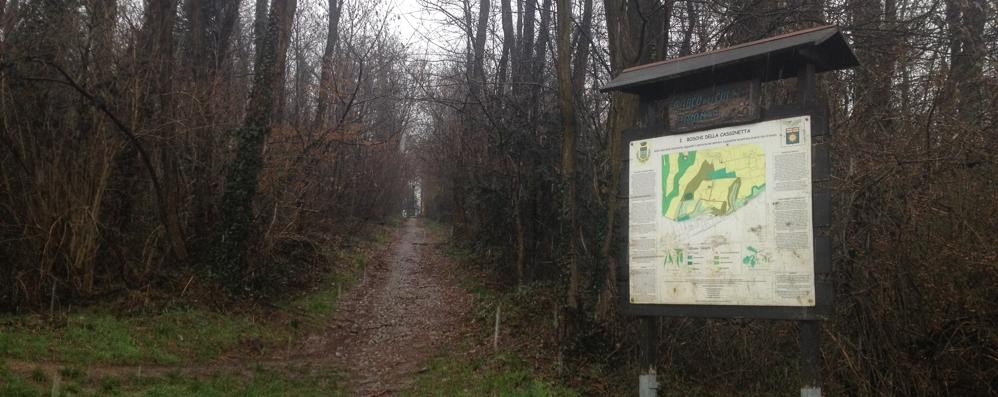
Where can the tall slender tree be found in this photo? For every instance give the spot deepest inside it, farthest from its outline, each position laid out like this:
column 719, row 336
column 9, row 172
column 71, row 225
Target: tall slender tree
column 566, row 102
column 236, row 229
column 326, row 79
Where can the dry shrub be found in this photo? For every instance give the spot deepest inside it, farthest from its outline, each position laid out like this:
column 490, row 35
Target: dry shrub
column 916, row 303
column 55, row 181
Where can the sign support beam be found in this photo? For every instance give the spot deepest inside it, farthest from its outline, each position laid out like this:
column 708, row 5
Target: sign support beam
column 810, row 358
column 809, row 331
column 647, row 381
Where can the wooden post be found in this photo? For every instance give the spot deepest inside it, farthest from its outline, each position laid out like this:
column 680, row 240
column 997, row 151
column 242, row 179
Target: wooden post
column 809, row 331
column 647, row 382
column 807, row 86
column 810, row 358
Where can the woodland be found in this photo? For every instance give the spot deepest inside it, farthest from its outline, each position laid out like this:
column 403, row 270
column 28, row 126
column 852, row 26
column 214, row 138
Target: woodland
column 144, row 144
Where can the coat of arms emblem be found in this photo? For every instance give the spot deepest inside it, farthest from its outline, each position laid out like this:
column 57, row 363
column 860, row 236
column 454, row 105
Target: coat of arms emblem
column 644, row 153
column 793, row 135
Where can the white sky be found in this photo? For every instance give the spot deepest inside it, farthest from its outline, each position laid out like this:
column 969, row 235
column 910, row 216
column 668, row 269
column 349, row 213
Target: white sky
column 423, row 31
column 427, row 33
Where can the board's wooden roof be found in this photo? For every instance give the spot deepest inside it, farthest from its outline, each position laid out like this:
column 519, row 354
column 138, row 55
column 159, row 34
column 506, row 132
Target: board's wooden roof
column 769, row 59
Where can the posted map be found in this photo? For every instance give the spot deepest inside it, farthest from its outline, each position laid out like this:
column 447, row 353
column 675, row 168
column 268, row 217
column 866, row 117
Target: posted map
column 713, row 182
column 723, row 217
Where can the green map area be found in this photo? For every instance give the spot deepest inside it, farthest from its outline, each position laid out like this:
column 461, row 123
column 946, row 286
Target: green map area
column 715, row 181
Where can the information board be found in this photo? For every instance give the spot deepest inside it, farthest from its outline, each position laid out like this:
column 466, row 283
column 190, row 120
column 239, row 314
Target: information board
column 723, row 217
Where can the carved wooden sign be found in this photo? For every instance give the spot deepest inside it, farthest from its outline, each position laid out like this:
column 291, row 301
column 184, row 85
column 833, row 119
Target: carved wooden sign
column 713, row 106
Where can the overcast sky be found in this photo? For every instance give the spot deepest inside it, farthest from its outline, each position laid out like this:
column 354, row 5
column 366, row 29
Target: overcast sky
column 427, row 33
column 416, row 26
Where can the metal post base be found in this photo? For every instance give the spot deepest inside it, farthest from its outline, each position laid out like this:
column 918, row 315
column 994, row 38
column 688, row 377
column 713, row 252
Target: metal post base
column 647, row 386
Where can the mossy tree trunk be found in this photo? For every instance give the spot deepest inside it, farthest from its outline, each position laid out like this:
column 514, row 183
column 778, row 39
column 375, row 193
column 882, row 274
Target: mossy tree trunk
column 236, row 228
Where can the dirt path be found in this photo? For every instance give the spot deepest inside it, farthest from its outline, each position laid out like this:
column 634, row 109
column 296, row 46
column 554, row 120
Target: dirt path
column 404, row 311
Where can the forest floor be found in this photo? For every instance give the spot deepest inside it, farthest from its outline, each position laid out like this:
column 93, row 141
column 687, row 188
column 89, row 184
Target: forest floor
column 399, row 318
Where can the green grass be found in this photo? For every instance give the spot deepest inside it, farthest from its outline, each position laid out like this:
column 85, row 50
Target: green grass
column 99, row 336
column 503, row 375
column 441, row 230
column 260, row 383
column 321, row 303
column 14, row 386
column 171, row 338
column 263, row 383
column 96, row 336
column 180, row 336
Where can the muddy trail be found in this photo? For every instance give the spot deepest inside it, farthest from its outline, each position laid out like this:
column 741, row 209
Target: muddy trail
column 405, row 310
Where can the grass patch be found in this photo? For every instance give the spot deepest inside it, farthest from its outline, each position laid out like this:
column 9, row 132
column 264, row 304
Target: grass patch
column 98, row 335
column 503, row 375
column 72, row 382
column 440, row 229
column 260, row 383
column 13, row 386
column 321, row 302
column 177, row 336
column 349, row 264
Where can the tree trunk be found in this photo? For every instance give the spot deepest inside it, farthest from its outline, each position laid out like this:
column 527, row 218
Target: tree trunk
column 326, row 77
column 537, row 64
column 662, row 46
column 210, row 25
column 8, row 19
column 566, row 102
column 243, row 177
column 281, row 62
column 966, row 20
column 686, row 47
column 259, row 29
column 875, row 45
column 525, row 48
column 582, row 47
column 624, row 33
column 508, row 45
column 752, row 20
column 521, row 58
column 478, row 77
column 156, row 45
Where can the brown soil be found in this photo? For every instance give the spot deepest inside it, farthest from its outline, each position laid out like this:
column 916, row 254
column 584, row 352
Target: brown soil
column 404, row 311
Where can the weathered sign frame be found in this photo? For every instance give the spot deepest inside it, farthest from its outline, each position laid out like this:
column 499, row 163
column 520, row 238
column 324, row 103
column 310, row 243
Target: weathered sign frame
column 799, row 55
